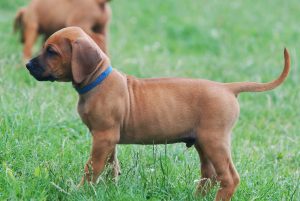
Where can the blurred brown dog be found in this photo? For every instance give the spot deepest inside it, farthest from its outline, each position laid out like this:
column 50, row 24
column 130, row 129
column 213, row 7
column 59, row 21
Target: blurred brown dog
column 121, row 109
column 48, row 16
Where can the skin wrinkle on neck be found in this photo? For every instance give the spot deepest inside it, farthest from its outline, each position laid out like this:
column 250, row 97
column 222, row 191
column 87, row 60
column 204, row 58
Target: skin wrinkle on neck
column 128, row 108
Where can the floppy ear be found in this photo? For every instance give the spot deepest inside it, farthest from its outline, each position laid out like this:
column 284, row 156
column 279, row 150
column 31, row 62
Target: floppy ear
column 85, row 58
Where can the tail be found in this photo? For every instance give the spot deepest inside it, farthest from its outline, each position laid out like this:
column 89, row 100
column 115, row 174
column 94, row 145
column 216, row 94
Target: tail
column 18, row 22
column 238, row 87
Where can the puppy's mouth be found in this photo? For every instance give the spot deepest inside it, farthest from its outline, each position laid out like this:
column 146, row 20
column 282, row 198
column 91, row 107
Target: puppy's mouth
column 39, row 72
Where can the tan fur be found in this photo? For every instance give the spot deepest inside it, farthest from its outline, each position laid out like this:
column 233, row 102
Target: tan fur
column 18, row 22
column 48, row 16
column 239, row 87
column 127, row 110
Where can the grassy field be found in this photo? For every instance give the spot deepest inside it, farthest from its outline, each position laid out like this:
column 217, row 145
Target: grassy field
column 44, row 145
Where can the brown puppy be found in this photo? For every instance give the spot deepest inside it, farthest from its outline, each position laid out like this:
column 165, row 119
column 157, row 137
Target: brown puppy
column 48, row 16
column 121, row 109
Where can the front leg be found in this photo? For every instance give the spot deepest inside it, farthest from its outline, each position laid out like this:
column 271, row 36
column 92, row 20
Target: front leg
column 104, row 143
column 114, row 162
column 30, row 36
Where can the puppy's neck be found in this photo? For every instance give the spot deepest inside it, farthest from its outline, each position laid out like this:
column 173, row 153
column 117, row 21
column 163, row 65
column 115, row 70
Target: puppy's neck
column 101, row 67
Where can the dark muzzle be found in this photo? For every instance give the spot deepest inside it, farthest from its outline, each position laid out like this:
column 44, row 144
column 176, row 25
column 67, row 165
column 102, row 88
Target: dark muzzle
column 38, row 71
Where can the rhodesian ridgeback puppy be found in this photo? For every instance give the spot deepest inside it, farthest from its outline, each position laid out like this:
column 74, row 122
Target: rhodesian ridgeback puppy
column 48, row 16
column 121, row 109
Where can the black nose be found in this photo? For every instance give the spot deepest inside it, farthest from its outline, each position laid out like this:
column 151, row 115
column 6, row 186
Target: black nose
column 28, row 65
column 34, row 69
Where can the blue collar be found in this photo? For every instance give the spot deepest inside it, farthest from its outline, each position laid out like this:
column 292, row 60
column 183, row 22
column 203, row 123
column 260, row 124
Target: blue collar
column 96, row 82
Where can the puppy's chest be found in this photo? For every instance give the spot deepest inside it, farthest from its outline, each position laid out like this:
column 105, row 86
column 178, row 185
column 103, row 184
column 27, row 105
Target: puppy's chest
column 94, row 117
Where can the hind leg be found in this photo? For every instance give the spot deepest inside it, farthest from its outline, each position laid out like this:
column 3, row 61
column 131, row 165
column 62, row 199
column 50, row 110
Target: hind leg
column 215, row 144
column 208, row 173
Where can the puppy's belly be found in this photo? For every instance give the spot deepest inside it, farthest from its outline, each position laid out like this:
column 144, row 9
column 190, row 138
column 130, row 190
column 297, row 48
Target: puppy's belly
column 188, row 138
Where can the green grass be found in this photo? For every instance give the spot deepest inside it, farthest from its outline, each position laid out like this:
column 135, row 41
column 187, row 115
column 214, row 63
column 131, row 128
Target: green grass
column 44, row 145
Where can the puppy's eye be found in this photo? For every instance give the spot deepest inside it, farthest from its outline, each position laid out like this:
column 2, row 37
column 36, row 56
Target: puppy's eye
column 51, row 51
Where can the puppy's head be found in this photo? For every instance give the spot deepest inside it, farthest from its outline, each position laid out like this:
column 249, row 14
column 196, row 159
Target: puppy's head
column 68, row 55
